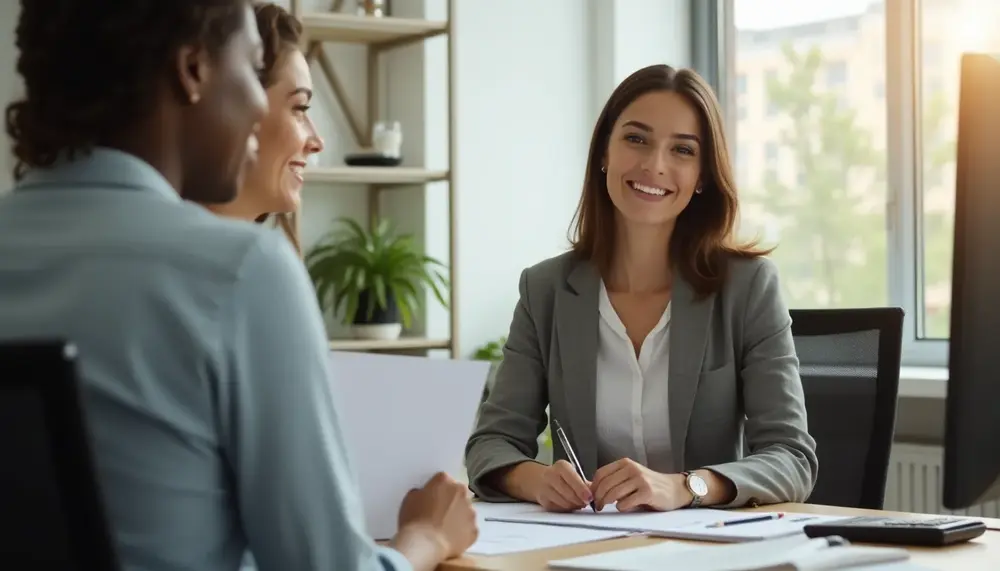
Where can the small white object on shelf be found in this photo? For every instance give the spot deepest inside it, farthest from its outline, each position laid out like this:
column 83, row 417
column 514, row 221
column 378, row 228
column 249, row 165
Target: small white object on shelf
column 388, row 138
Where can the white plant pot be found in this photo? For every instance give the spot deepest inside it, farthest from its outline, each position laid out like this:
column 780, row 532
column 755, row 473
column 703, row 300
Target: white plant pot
column 377, row 331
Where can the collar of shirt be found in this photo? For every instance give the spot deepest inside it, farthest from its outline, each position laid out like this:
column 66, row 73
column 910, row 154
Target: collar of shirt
column 102, row 168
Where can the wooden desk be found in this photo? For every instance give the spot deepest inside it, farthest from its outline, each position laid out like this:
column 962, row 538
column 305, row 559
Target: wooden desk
column 983, row 553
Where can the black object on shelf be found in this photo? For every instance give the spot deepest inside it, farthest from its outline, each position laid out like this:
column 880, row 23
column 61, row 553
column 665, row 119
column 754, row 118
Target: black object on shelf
column 372, row 160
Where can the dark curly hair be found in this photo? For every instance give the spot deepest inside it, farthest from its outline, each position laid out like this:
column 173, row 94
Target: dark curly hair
column 91, row 68
column 280, row 32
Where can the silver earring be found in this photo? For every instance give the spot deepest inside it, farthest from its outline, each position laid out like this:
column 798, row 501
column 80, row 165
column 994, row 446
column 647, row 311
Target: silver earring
column 604, row 170
column 697, row 190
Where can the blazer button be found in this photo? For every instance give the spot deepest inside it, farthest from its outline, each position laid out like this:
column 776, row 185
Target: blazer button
column 753, row 502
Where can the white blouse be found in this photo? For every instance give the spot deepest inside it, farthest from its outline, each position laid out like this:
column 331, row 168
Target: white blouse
column 632, row 415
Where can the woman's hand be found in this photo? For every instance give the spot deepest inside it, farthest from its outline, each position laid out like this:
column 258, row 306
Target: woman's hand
column 634, row 487
column 560, row 488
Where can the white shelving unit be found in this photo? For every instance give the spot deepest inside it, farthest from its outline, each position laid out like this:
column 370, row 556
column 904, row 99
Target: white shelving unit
column 380, row 35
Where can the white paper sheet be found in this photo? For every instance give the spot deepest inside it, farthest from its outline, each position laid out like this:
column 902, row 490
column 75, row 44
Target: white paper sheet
column 638, row 522
column 404, row 419
column 497, row 537
column 798, row 553
column 487, row 510
column 791, row 524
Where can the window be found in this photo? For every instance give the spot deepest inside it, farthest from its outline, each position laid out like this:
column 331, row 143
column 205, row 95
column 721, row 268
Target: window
column 741, row 84
column 771, row 152
column 828, row 194
column 742, row 160
column 948, row 28
column 861, row 98
column 836, row 74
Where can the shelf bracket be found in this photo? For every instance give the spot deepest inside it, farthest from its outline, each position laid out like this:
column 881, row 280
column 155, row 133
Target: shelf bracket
column 326, row 66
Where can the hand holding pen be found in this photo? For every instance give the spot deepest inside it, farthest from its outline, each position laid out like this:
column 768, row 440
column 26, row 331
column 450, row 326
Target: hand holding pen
column 563, row 487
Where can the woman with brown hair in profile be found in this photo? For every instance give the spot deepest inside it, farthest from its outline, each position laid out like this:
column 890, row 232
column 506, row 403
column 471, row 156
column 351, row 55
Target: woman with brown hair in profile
column 287, row 137
column 660, row 344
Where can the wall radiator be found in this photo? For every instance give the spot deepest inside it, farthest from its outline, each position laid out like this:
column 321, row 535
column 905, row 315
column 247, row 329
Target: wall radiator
column 914, row 483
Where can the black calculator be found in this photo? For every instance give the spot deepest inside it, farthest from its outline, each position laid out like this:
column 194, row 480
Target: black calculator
column 930, row 532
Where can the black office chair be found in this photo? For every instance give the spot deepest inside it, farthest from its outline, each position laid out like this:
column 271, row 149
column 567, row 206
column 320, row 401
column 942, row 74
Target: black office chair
column 849, row 363
column 51, row 510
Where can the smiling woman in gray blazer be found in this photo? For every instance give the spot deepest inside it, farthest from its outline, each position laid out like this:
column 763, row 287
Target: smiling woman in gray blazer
column 658, row 343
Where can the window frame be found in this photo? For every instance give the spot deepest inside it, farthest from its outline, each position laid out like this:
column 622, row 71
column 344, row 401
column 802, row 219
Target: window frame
column 713, row 52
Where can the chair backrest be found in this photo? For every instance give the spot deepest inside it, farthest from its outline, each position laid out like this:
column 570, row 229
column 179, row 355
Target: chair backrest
column 51, row 510
column 849, row 362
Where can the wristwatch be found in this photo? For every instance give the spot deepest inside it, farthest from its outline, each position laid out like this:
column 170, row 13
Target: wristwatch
column 697, row 486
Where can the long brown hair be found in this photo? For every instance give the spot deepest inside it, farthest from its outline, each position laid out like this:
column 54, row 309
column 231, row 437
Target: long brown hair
column 703, row 237
column 280, row 33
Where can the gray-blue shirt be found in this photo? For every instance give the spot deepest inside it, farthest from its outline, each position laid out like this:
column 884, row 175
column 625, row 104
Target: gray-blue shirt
column 204, row 370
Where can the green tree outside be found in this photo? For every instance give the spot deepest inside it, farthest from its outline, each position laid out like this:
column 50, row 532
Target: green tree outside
column 832, row 242
column 832, row 245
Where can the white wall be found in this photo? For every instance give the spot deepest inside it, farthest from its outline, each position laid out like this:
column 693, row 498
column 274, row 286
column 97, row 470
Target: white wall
column 524, row 121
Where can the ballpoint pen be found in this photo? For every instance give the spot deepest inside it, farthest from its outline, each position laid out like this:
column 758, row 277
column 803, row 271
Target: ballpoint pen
column 572, row 455
column 767, row 517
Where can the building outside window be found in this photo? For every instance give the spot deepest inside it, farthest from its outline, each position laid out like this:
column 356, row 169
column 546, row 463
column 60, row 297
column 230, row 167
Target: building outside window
column 865, row 216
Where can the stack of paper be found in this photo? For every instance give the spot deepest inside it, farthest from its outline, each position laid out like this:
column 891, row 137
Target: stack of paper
column 702, row 524
column 797, row 553
column 500, row 537
column 497, row 537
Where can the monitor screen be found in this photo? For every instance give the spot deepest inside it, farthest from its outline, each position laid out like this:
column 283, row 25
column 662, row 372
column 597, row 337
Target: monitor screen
column 972, row 425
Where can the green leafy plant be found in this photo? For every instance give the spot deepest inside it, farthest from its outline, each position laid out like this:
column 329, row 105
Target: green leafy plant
column 351, row 267
column 490, row 351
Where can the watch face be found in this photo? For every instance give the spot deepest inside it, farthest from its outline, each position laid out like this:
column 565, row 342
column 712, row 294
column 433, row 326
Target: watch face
column 697, row 485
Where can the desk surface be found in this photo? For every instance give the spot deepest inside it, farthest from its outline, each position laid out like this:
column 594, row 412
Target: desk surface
column 982, row 553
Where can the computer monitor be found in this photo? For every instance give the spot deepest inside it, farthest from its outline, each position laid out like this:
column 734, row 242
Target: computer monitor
column 972, row 423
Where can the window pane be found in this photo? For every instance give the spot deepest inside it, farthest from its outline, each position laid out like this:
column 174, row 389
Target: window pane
column 814, row 125
column 949, row 27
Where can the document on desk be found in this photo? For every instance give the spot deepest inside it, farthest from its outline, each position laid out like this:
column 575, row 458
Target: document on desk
column 702, row 524
column 404, row 419
column 500, row 537
column 790, row 524
column 499, row 510
column 795, row 553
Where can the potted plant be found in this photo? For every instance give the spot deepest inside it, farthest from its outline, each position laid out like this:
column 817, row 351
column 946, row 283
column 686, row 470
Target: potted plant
column 372, row 279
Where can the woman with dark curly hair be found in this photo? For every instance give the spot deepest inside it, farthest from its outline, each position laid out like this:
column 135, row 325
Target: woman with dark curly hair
column 287, row 136
column 202, row 356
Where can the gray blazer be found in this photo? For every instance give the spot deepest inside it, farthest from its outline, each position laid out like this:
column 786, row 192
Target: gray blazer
column 733, row 373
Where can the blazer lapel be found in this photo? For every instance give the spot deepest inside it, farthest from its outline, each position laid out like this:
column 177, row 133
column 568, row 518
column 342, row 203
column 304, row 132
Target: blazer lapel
column 576, row 316
column 689, row 321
